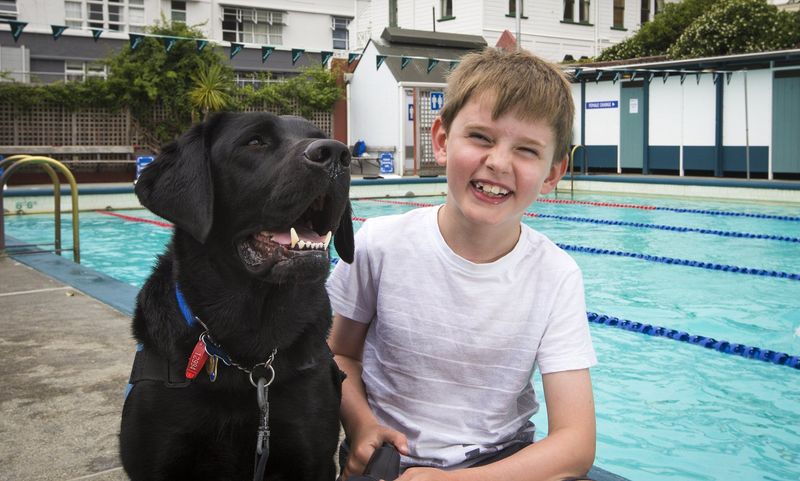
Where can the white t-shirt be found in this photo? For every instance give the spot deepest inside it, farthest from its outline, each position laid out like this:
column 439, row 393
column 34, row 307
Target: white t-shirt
column 452, row 345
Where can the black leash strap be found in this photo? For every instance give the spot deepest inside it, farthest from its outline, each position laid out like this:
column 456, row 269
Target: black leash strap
column 262, row 442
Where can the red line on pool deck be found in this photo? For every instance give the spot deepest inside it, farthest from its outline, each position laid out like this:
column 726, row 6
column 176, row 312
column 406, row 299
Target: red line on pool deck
column 136, row 219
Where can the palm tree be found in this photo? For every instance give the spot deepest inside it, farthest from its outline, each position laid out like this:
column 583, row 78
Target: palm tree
column 211, row 91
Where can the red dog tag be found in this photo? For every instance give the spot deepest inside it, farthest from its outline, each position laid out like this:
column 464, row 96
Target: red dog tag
column 197, row 360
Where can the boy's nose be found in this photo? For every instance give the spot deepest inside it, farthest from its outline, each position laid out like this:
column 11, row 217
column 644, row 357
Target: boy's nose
column 499, row 160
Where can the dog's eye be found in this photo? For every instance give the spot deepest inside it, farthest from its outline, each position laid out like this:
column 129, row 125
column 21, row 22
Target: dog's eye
column 257, row 140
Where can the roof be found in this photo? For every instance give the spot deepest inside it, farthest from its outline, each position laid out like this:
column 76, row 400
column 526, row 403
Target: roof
column 420, row 46
column 723, row 64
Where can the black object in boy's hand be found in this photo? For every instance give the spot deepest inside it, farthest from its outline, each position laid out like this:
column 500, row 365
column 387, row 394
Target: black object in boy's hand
column 383, row 465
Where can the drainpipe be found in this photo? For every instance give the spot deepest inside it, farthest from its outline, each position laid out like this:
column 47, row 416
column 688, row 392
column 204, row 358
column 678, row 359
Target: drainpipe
column 519, row 25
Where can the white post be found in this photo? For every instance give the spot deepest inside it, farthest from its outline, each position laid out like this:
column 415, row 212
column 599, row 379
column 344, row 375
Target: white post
column 519, row 24
column 682, row 172
column 746, row 129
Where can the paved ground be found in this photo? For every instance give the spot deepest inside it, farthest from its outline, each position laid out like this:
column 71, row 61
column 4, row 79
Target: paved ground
column 65, row 361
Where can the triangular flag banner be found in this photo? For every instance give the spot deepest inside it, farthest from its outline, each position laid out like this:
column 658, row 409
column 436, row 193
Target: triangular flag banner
column 453, row 64
column 683, row 77
column 296, row 54
column 578, row 73
column 379, row 59
column 666, row 76
column 404, row 61
column 728, row 76
column 236, row 48
column 265, row 53
column 96, row 32
column 135, row 40
column 432, row 62
column 201, row 44
column 352, row 57
column 650, row 77
column 716, row 77
column 17, row 28
column 57, row 30
column 325, row 57
column 616, row 77
column 169, row 42
column 698, row 77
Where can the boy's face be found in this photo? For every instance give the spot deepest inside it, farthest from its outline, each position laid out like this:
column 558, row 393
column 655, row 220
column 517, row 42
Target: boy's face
column 495, row 168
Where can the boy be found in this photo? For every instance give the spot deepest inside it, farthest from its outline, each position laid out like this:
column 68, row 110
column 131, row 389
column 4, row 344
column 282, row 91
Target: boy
column 445, row 312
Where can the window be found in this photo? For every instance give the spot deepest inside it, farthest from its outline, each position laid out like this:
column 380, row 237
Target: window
column 8, row 9
column 178, row 11
column 446, row 9
column 77, row 70
column 659, row 6
column 645, row 16
column 512, row 8
column 583, row 9
column 105, row 14
column 340, row 33
column 619, row 13
column 569, row 10
column 252, row 25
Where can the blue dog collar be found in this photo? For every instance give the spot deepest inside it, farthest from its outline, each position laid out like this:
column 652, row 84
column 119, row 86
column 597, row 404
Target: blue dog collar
column 187, row 313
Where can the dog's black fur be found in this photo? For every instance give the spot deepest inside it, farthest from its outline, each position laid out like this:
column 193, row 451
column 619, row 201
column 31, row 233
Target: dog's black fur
column 226, row 179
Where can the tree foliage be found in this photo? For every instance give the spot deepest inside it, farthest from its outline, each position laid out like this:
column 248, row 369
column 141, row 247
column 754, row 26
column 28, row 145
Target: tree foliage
column 694, row 28
column 738, row 26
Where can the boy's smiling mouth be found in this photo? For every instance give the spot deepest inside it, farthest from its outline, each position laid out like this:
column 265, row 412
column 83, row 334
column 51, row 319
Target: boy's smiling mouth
column 491, row 190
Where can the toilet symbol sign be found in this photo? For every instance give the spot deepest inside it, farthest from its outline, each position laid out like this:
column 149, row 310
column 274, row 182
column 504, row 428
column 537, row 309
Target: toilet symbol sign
column 437, row 100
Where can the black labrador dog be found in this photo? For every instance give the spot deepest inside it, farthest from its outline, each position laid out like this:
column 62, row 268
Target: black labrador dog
column 233, row 379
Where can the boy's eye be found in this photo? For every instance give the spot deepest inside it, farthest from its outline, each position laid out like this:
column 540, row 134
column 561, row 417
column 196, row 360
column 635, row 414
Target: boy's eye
column 256, row 141
column 529, row 151
column 478, row 136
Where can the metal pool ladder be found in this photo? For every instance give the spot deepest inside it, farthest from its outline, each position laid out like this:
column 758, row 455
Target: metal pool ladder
column 572, row 168
column 11, row 164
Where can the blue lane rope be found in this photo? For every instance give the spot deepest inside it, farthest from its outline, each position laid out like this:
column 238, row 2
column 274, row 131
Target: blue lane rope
column 667, row 227
column 683, row 262
column 729, row 213
column 749, row 352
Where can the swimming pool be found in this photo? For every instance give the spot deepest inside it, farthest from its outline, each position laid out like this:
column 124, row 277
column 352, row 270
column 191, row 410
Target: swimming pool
column 666, row 410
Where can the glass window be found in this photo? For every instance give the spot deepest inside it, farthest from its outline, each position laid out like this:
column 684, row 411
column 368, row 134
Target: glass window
column 585, row 11
column 569, row 10
column 512, row 8
column 619, row 13
column 178, row 11
column 659, row 6
column 252, row 25
column 645, row 16
column 446, row 8
column 8, row 9
column 73, row 14
column 340, row 33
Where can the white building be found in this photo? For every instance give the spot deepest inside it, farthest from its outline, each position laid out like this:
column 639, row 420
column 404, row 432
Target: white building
column 553, row 29
column 311, row 25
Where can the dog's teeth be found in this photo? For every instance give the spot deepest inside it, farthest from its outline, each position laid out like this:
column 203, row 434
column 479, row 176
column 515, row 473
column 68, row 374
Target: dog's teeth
column 301, row 244
column 327, row 240
column 294, row 236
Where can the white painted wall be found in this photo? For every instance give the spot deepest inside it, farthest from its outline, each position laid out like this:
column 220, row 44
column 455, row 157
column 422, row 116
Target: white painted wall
column 374, row 101
column 699, row 116
column 759, row 102
column 576, row 127
column 602, row 125
column 666, row 107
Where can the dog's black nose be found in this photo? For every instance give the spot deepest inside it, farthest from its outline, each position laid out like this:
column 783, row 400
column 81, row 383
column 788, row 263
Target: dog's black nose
column 326, row 151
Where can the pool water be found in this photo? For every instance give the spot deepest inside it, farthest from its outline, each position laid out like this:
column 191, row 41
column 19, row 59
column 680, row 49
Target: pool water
column 666, row 410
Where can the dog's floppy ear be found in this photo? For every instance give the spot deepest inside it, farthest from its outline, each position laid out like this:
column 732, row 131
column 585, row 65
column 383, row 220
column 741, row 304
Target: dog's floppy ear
column 343, row 239
column 177, row 185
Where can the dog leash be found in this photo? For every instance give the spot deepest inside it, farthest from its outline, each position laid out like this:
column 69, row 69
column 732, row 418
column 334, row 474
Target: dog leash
column 207, row 349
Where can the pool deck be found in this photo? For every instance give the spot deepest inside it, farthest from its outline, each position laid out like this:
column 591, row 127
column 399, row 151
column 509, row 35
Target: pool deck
column 67, row 350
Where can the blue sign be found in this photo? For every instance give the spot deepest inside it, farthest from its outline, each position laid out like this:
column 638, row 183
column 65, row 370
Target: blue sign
column 437, row 101
column 141, row 163
column 410, row 112
column 604, row 104
column 387, row 162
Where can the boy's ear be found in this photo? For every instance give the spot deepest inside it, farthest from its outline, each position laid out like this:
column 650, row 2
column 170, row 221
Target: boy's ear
column 557, row 171
column 439, row 140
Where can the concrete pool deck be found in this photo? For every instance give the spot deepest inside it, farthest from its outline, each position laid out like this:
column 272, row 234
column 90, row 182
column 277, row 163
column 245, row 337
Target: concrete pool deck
column 66, row 352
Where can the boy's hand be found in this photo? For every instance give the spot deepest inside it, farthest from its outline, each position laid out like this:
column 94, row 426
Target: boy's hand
column 425, row 474
column 365, row 441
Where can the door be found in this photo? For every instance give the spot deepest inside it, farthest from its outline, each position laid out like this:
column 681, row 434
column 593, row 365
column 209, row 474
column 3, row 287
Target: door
column 786, row 122
column 631, row 114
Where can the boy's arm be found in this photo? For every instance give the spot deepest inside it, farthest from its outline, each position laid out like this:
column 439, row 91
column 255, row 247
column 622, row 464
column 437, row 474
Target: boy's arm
column 364, row 432
column 568, row 449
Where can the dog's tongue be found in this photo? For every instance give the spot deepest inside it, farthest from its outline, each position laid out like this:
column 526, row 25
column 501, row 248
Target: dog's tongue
column 304, row 233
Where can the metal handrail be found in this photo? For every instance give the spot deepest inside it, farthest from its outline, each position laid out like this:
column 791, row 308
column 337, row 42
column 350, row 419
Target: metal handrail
column 47, row 164
column 572, row 168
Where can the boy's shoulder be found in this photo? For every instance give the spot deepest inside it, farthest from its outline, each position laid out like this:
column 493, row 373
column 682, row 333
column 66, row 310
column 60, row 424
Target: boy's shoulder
column 547, row 253
column 398, row 224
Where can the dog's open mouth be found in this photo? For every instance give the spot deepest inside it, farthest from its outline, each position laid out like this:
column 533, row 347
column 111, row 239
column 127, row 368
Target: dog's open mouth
column 264, row 248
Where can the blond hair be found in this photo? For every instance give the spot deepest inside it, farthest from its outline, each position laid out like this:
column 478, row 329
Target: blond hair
column 519, row 83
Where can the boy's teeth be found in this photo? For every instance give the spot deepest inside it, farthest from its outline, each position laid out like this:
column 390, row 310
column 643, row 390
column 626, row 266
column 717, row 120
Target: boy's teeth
column 491, row 189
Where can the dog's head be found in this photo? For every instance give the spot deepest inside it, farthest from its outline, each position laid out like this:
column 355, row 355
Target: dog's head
column 264, row 190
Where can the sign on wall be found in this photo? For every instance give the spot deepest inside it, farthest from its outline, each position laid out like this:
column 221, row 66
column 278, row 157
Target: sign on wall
column 603, row 104
column 437, row 101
